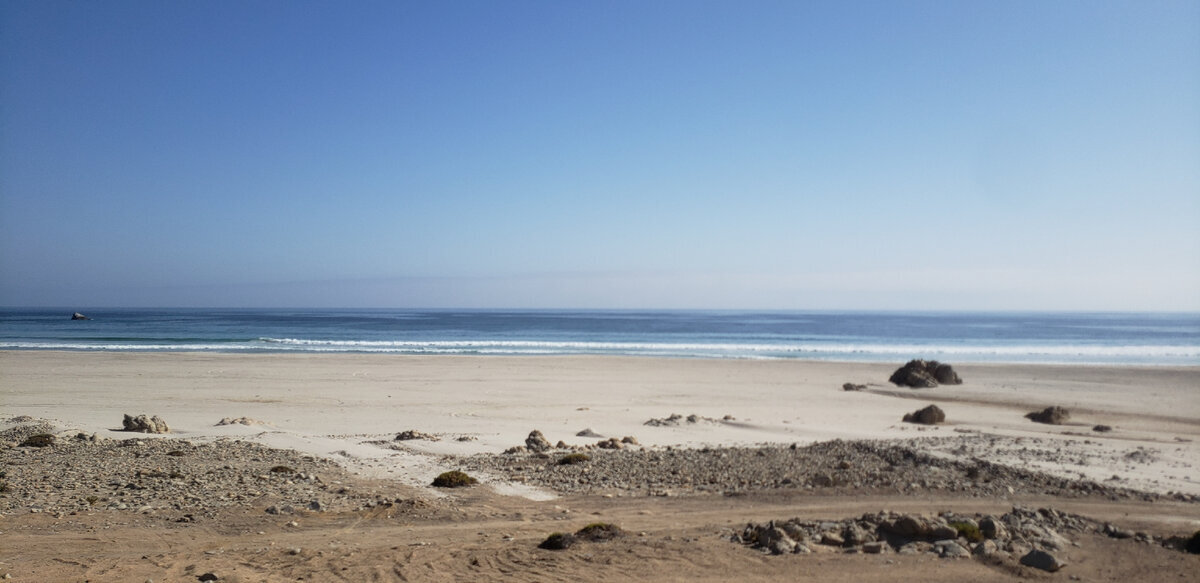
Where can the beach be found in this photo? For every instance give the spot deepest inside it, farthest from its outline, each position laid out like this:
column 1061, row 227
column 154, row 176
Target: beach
column 342, row 412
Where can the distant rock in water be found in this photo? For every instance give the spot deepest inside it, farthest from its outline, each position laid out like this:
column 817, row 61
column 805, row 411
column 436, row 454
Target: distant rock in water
column 78, row 316
column 923, row 374
column 931, row 415
column 1050, row 415
column 144, row 424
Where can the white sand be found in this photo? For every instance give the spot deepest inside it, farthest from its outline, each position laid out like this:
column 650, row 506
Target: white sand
column 332, row 405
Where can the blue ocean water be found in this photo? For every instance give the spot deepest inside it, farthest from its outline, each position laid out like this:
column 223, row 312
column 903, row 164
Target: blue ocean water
column 1036, row 337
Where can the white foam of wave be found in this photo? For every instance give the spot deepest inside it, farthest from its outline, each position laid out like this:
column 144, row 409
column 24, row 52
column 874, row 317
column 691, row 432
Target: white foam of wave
column 553, row 347
column 1179, row 354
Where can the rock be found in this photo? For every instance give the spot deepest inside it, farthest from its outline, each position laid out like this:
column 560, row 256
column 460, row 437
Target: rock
column 210, row 576
column 1039, row 559
column 1102, row 428
column 992, row 528
column 240, row 421
column 854, row 535
column 588, row 433
column 610, row 443
column 985, row 549
column 833, row 539
column 950, row 549
column 1050, row 415
column 945, row 374
column 412, row 434
column 913, row 374
column 78, row 316
column 143, row 424
column 853, row 387
column 1117, row 532
column 630, row 440
column 930, row 415
column 874, row 548
column 943, row 532
column 536, row 442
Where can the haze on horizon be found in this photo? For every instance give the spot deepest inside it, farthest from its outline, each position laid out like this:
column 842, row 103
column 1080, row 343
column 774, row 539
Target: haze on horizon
column 788, row 155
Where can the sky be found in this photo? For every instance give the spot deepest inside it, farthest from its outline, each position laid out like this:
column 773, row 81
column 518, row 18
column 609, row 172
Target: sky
column 904, row 155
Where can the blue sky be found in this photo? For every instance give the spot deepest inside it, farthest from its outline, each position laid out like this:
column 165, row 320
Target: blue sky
column 795, row 155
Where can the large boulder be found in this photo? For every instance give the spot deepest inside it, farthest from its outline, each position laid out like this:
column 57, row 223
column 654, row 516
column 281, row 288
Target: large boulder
column 925, row 374
column 930, row 415
column 144, row 424
column 1050, row 415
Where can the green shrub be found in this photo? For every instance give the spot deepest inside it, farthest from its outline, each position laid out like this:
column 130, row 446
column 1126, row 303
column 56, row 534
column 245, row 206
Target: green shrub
column 968, row 531
column 574, row 458
column 454, row 479
column 599, row 531
column 39, row 440
column 558, row 541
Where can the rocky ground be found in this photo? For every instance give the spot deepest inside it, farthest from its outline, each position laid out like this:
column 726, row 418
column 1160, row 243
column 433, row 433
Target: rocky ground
column 844, row 466
column 165, row 476
column 243, row 511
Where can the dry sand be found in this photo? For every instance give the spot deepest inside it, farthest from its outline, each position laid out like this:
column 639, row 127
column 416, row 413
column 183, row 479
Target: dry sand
column 335, row 406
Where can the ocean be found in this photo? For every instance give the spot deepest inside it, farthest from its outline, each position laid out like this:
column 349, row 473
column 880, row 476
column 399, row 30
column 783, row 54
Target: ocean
column 1007, row 337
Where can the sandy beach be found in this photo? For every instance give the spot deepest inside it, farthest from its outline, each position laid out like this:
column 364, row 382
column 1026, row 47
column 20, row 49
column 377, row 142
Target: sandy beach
column 342, row 412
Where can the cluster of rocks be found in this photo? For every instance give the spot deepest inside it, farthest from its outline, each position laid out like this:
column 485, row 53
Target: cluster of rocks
column 675, row 419
column 144, row 424
column 1050, row 415
column 537, row 443
column 925, row 374
column 165, row 477
column 1035, row 538
column 879, row 466
column 411, row 434
column 240, row 421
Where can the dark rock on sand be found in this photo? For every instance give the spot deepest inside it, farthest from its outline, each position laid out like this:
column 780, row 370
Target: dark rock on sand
column 1039, row 559
column 1102, row 428
column 924, row 374
column 1050, row 415
column 945, row 374
column 853, row 387
column 411, row 434
column 930, row 415
column 588, row 433
column 78, row 316
column 536, row 442
column 144, row 424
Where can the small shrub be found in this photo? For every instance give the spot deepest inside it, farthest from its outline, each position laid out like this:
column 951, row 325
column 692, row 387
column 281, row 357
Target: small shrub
column 4, row 488
column 454, row 479
column 39, row 440
column 282, row 470
column 599, row 531
column 968, row 531
column 92, row 500
column 574, row 458
column 558, row 541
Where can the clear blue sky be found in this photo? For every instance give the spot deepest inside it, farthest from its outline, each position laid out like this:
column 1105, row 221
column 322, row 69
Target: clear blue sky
column 872, row 155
